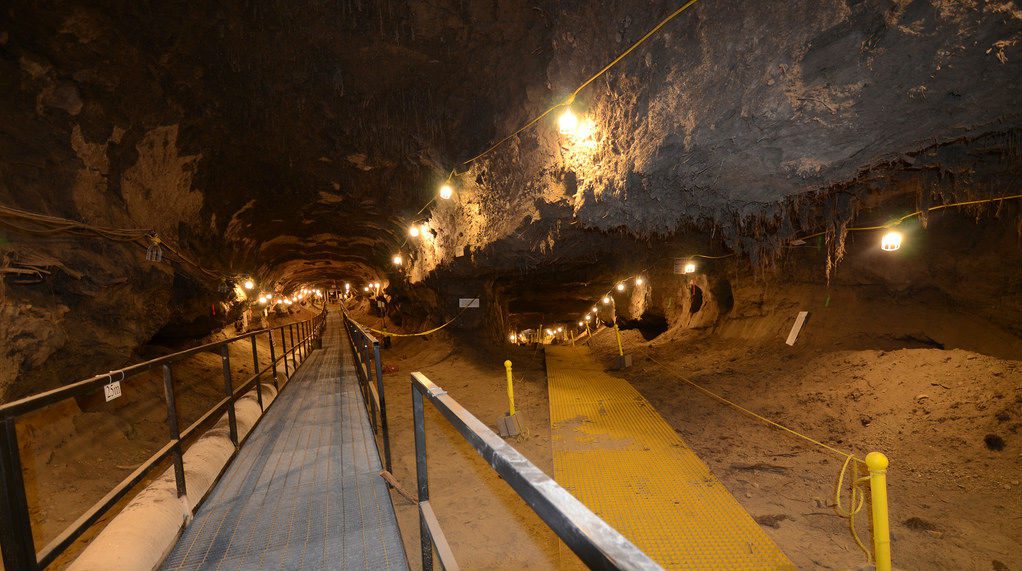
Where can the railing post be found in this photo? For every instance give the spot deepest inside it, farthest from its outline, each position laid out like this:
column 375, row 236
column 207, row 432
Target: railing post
column 294, row 349
column 232, row 419
column 369, row 393
column 273, row 359
column 283, row 352
column 421, row 476
column 383, row 405
column 15, row 523
column 175, row 432
column 255, row 371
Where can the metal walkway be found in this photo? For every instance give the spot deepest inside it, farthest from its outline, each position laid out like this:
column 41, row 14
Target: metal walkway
column 620, row 458
column 304, row 492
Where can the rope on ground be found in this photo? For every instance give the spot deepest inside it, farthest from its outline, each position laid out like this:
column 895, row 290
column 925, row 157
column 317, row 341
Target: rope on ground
column 421, row 333
column 857, row 498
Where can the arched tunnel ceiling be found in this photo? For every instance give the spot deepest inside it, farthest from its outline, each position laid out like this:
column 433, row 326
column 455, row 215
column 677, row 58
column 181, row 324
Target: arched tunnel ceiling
column 315, row 130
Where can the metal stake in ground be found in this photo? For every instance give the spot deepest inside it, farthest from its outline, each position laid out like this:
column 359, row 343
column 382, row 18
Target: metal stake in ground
column 512, row 423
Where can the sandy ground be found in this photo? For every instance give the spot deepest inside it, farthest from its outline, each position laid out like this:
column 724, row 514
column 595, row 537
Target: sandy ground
column 75, row 452
column 948, row 420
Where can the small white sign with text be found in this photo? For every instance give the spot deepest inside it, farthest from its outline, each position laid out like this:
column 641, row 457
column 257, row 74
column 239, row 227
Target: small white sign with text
column 468, row 302
column 112, row 391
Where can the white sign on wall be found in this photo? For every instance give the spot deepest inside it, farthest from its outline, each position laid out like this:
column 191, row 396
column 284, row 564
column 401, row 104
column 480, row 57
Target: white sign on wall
column 797, row 327
column 468, row 302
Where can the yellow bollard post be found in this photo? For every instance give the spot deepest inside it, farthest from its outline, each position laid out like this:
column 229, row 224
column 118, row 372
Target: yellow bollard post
column 620, row 349
column 572, row 335
column 510, row 389
column 877, row 464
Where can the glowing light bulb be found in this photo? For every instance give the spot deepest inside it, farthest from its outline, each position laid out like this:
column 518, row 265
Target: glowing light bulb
column 288, row 302
column 581, row 323
column 690, row 268
column 567, row 123
column 596, row 309
column 413, row 231
column 891, row 241
column 606, row 299
column 280, row 301
column 548, row 332
column 560, row 329
column 249, row 284
column 262, row 301
column 347, row 286
column 446, row 192
column 589, row 317
column 511, row 337
column 639, row 280
column 621, row 287
column 365, row 288
column 397, row 259
column 424, row 229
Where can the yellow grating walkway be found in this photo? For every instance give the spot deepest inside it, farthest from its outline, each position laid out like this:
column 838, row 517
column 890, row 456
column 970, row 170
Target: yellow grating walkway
column 619, row 457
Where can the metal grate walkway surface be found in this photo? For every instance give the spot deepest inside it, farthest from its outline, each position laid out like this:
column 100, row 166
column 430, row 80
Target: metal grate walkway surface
column 619, row 457
column 304, row 491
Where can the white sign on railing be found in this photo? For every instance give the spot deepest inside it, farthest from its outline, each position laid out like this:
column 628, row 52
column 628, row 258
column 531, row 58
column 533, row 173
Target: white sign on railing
column 112, row 391
column 468, row 302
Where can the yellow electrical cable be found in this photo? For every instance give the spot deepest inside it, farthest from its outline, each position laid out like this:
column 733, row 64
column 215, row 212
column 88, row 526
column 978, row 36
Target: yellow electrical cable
column 856, row 496
column 571, row 98
column 917, row 213
column 836, row 451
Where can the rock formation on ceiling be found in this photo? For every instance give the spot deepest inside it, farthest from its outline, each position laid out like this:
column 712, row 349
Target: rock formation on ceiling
column 294, row 141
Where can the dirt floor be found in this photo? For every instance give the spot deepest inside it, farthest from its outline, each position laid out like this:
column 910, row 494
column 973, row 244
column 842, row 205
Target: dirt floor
column 948, row 420
column 76, row 451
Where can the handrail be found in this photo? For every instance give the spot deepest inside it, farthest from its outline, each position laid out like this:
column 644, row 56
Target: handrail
column 365, row 351
column 16, row 542
column 595, row 542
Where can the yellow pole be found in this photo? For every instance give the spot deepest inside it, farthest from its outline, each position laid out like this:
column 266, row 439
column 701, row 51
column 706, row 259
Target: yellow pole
column 510, row 389
column 588, row 333
column 877, row 464
column 572, row 334
column 620, row 350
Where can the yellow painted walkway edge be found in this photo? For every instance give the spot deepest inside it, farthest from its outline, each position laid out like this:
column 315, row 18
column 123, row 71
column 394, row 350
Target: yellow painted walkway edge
column 619, row 457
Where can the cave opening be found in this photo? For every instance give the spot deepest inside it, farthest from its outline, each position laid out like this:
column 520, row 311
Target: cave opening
column 223, row 225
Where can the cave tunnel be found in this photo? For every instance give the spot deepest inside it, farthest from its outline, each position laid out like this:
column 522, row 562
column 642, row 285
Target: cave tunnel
column 249, row 250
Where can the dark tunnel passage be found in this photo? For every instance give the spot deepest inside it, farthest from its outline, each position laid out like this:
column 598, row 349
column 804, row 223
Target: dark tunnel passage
column 807, row 210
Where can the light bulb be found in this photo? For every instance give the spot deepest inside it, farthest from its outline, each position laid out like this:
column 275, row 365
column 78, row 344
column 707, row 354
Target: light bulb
column 581, row 323
column 397, row 259
column 621, row 287
column 596, row 309
column 638, row 281
column 560, row 329
column 413, row 231
column 446, row 192
column 567, row 124
column 511, row 337
column 365, row 288
column 690, row 267
column 891, row 241
column 588, row 317
column 249, row 284
column 606, row 299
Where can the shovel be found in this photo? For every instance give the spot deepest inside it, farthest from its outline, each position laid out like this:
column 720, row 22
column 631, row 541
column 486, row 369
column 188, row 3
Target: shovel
column 512, row 423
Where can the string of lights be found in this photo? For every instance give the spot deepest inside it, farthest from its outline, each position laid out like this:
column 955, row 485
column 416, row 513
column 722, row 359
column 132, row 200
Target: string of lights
column 568, row 123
